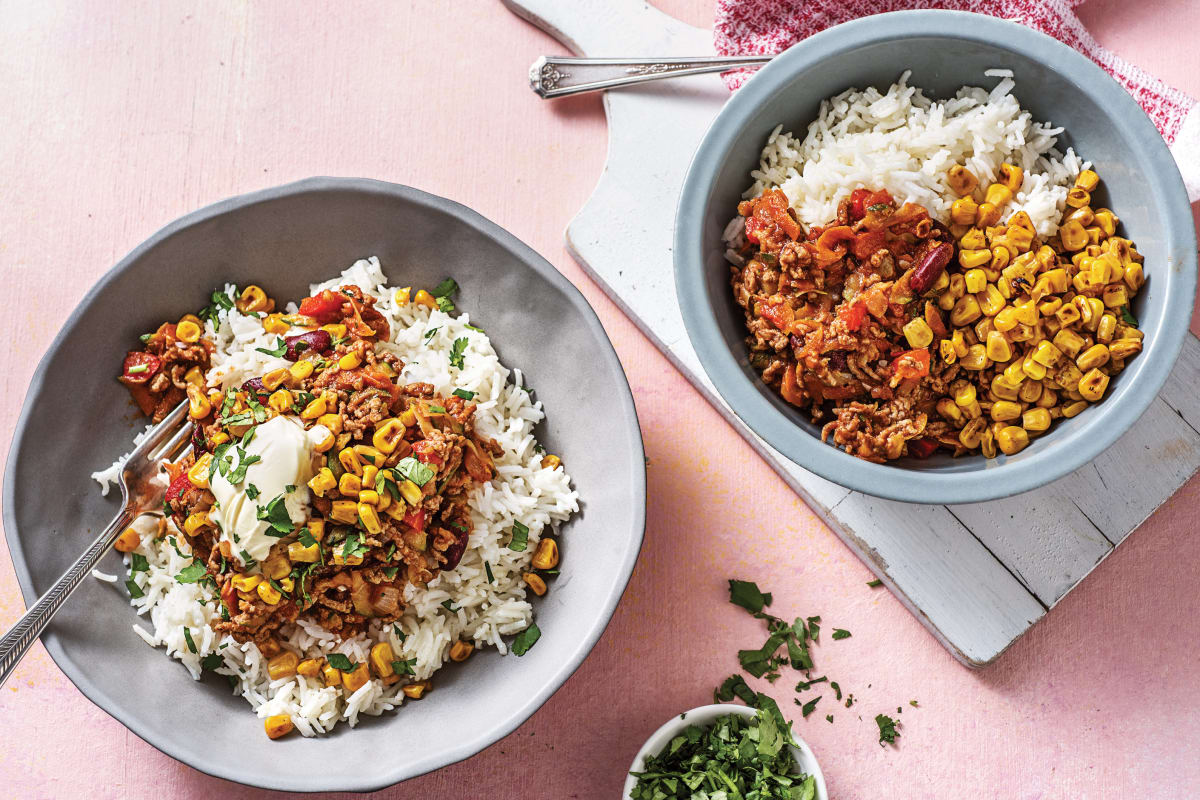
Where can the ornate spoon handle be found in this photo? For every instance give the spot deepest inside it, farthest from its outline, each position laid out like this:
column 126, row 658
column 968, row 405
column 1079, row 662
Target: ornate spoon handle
column 551, row 76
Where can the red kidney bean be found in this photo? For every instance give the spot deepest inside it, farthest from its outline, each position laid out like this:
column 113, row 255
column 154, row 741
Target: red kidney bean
column 310, row 342
column 199, row 442
column 922, row 448
column 837, row 360
column 256, row 387
column 454, row 552
column 930, row 265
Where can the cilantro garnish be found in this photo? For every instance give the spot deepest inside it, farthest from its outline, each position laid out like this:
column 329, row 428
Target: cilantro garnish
column 138, row 563
column 280, row 348
column 221, row 461
column 404, row 666
column 760, row 662
column 401, row 635
column 353, row 546
column 445, row 288
column 747, row 595
column 488, row 569
column 340, row 661
column 887, row 729
column 252, row 491
column 413, row 470
column 1127, row 317
column 734, row 686
column 212, row 661
column 135, row 591
column 808, row 707
column 445, row 305
column 191, row 573
column 457, row 350
column 814, row 630
column 520, row 537
column 875, row 584
column 837, row 690
column 840, row 633
column 238, row 474
column 220, row 300
column 306, row 537
column 247, row 560
column 276, row 515
column 429, row 334
column 449, row 605
column 464, row 394
column 390, row 572
column 187, row 637
column 436, row 409
column 526, row 639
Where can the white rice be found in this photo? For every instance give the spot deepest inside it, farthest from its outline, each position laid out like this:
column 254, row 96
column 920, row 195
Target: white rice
column 904, row 142
column 484, row 611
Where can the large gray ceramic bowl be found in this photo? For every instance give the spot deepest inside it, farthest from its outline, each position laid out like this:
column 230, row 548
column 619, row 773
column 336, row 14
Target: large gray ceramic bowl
column 944, row 50
column 77, row 418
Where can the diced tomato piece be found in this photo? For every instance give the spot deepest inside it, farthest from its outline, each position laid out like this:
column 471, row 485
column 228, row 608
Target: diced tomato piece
column 882, row 197
column 323, row 307
column 912, row 364
column 178, row 487
column 922, row 448
column 753, row 226
column 858, row 205
column 779, row 314
column 854, row 315
column 866, row 244
column 415, row 519
column 426, row 452
column 139, row 366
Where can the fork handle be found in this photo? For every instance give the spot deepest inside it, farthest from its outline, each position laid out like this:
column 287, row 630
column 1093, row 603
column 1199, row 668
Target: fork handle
column 552, row 76
column 16, row 642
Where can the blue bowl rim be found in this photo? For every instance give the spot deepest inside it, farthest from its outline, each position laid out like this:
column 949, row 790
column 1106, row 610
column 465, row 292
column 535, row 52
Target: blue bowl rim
column 479, row 739
column 1110, row 420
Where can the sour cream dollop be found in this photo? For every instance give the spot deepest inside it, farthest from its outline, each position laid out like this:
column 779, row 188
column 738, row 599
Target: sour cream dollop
column 285, row 453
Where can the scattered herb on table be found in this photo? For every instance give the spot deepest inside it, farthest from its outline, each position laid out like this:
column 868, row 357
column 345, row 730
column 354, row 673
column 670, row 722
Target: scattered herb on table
column 887, row 729
column 839, row 633
column 747, row 595
column 875, row 584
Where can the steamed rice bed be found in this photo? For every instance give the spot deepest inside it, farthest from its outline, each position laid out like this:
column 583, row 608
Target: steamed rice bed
column 484, row 610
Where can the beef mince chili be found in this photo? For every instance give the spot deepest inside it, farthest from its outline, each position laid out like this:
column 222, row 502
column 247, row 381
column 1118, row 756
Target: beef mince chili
column 389, row 482
column 904, row 336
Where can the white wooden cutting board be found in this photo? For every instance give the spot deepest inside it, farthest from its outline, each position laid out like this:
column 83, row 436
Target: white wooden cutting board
column 978, row 576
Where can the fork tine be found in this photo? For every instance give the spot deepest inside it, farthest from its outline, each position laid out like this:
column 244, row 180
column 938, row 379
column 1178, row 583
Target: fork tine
column 164, row 429
column 168, row 450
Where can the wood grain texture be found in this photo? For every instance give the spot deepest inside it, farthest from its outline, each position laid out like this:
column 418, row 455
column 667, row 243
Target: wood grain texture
column 121, row 117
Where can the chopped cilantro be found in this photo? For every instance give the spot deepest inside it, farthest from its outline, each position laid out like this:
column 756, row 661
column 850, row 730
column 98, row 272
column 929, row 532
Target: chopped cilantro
column 247, row 560
column 829, row 717
column 252, row 491
column 340, row 661
column 808, row 707
column 464, row 394
column 138, row 563
column 429, row 334
column 449, row 605
column 814, row 630
column 488, row 569
column 887, row 729
column 839, row 633
column 413, row 470
column 390, row 572
column 457, row 350
column 760, row 662
column 211, row 662
column 445, row 288
column 280, row 348
column 238, row 474
column 306, row 537
column 837, row 690
column 135, row 591
column 436, row 409
column 354, row 546
column 401, row 635
column 276, row 515
column 875, row 584
column 288, row 489
column 191, row 573
column 1127, row 317
column 187, row 636
column 520, row 537
column 404, row 666
column 445, row 305
column 526, row 639
column 734, row 686
column 747, row 595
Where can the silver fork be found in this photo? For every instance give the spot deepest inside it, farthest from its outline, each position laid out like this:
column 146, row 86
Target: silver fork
column 138, row 495
column 560, row 76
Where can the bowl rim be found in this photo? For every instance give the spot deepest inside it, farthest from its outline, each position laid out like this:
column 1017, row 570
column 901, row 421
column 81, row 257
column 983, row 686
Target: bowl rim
column 802, row 754
column 898, row 483
column 478, row 739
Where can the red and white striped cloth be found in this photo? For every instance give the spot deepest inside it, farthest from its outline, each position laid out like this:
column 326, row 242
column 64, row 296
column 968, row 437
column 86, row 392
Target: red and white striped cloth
column 746, row 27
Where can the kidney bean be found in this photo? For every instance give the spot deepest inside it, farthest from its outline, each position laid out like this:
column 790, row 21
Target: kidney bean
column 256, row 387
column 454, row 552
column 199, row 442
column 930, row 265
column 922, row 448
column 310, row 342
column 837, row 360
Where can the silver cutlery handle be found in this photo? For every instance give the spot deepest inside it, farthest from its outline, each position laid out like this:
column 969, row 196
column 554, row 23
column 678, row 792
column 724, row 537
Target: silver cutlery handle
column 15, row 643
column 551, row 76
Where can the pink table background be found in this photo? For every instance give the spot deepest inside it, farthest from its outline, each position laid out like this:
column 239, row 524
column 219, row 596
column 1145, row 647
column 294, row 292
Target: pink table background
column 120, row 117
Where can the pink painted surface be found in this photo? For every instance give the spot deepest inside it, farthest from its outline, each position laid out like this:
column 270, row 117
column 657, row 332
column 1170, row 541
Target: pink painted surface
column 119, row 119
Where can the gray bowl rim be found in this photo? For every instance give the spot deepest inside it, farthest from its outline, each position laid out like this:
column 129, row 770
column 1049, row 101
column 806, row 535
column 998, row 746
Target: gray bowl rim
column 1110, row 421
column 477, row 740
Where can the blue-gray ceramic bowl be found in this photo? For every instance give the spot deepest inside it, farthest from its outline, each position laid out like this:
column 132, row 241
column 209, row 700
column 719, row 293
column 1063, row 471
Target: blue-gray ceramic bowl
column 76, row 419
column 944, row 50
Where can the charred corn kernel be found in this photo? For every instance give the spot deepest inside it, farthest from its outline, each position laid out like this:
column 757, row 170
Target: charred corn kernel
column 972, row 433
column 1073, row 409
column 950, row 411
column 268, row 594
column 195, row 522
column 1012, row 440
column 534, row 582
column 345, row 511
column 997, row 195
column 964, row 394
column 350, row 461
column 1095, row 356
column 387, row 436
column 410, row 492
column 1033, row 369
column 333, row 422
column 246, row 583
column 976, row 280
column 1083, row 215
column 1073, row 236
column 1011, row 176
column 336, row 330
column 1004, row 410
column 1020, row 220
column 546, row 555
column 1115, row 297
column 918, row 333
column 982, row 328
column 1002, row 389
column 551, row 462
column 253, row 299
column 962, row 211
column 987, row 214
column 1106, row 221
column 1069, row 342
column 198, row 472
column 341, row 561
column 997, row 347
column 187, row 331
column 959, row 342
column 309, row 668
column 1124, row 348
column 991, row 301
column 424, row 298
column 314, row 409
column 961, row 180
column 1107, row 328
column 408, row 418
column 1048, row 308
column 350, row 360
column 370, row 473
column 403, row 296
column 1006, row 319
column 322, row 482
column 461, row 651
column 369, row 518
column 280, row 401
column 1067, row 315
column 1095, row 310
column 1030, row 391
column 974, row 258
column 1133, row 277
column 974, row 239
column 1046, row 354
column 1026, row 312
column 277, row 725
column 946, row 349
column 987, row 443
column 367, row 453
column 316, row 529
column 127, row 541
column 1087, row 180
column 414, row 691
column 1049, row 398
column 194, row 377
column 356, row 678
column 1078, row 197
column 381, row 659
column 298, row 552
column 300, row 370
column 283, row 665
column 946, row 301
column 1068, row 377
column 385, row 501
column 349, row 485
column 332, row 675
column 1021, row 238
column 198, row 405
column 965, row 311
column 1014, row 375
column 1092, row 385
column 274, row 324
